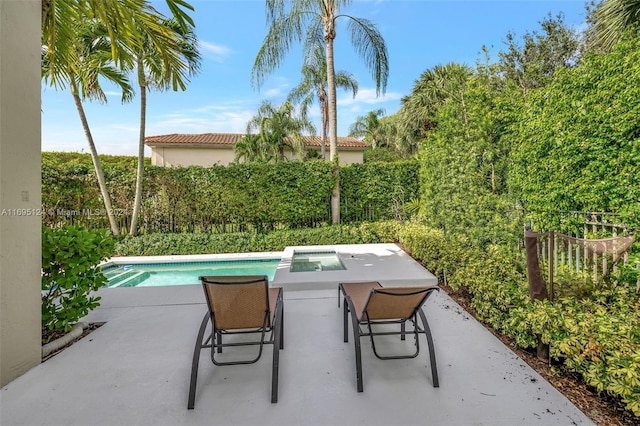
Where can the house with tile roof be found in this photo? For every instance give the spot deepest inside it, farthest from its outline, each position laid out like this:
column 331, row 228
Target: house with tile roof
column 207, row 149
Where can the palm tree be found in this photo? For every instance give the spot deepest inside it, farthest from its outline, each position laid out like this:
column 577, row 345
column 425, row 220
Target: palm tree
column 433, row 88
column 278, row 129
column 368, row 127
column 92, row 53
column 289, row 21
column 124, row 22
column 313, row 87
column 254, row 149
column 122, row 19
column 612, row 18
column 155, row 73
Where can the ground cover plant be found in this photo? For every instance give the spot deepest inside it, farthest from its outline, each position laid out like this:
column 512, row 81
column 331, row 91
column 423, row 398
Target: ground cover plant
column 597, row 336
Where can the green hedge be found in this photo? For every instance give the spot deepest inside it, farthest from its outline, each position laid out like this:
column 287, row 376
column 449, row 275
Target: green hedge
column 578, row 140
column 70, row 273
column 374, row 191
column 243, row 242
column 216, row 198
column 241, row 197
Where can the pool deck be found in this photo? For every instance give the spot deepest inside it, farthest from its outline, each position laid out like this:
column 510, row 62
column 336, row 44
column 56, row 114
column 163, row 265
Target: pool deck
column 386, row 263
column 134, row 370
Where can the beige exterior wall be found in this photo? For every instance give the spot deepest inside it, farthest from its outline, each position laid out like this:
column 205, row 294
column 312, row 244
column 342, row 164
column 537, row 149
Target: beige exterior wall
column 191, row 156
column 20, row 232
column 208, row 156
column 345, row 157
column 349, row 157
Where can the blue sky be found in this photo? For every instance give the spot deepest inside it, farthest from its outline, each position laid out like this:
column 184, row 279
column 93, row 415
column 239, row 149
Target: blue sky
column 419, row 35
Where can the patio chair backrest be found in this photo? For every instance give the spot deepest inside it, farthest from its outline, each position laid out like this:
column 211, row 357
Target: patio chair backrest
column 395, row 302
column 240, row 302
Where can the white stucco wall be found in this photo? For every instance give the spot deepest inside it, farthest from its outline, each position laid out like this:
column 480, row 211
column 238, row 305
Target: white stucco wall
column 20, row 199
column 350, row 157
column 191, row 156
column 208, row 156
column 345, row 157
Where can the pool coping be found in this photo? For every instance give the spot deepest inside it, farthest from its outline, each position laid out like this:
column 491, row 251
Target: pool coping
column 132, row 260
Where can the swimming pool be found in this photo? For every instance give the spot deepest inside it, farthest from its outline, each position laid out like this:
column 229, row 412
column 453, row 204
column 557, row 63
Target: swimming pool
column 385, row 262
column 184, row 273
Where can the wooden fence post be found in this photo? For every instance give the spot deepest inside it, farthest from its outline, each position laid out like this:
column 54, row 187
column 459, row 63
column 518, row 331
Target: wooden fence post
column 537, row 288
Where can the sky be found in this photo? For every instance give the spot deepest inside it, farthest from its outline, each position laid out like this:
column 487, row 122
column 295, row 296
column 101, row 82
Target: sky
column 419, row 34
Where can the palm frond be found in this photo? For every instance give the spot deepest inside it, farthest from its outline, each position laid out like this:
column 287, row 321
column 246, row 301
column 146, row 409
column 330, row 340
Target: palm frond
column 613, row 17
column 283, row 34
column 368, row 42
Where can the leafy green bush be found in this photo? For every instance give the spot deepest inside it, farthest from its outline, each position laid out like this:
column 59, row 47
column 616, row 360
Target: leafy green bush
column 382, row 155
column 239, row 197
column 597, row 337
column 578, row 140
column 443, row 254
column 375, row 191
column 594, row 332
column 70, row 272
column 242, row 242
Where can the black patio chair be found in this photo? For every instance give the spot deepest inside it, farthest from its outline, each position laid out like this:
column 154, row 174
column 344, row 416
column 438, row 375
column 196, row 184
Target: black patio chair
column 371, row 305
column 240, row 305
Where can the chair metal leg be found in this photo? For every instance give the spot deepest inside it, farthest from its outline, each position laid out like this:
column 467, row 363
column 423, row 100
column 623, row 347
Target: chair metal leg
column 432, row 353
column 219, row 341
column 403, row 330
column 358, row 349
column 282, row 325
column 277, row 344
column 349, row 308
column 346, row 322
column 196, row 361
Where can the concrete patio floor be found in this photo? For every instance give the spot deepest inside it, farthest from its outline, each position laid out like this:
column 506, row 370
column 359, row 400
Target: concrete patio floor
column 134, row 370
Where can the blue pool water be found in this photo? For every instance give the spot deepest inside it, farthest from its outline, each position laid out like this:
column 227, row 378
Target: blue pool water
column 183, row 273
column 315, row 261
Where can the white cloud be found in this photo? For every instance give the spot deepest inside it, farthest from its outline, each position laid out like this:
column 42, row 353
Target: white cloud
column 369, row 97
column 280, row 86
column 126, row 128
column 273, row 93
column 214, row 51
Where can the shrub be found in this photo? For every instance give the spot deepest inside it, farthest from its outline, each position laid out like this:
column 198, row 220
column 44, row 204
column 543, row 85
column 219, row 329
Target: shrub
column 597, row 337
column 242, row 242
column 70, row 272
column 443, row 254
column 593, row 327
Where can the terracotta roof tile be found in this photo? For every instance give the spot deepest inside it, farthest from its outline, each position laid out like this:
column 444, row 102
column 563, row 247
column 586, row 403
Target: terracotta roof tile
column 229, row 139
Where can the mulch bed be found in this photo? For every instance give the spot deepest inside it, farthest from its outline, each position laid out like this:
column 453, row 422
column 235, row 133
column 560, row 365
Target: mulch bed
column 51, row 335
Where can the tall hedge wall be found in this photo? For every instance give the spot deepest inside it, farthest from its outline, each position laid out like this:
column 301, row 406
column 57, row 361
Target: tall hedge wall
column 220, row 199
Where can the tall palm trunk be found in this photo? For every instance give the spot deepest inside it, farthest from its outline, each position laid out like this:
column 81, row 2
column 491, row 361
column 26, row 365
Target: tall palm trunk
column 96, row 164
column 325, row 121
column 333, row 124
column 323, row 141
column 137, row 202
